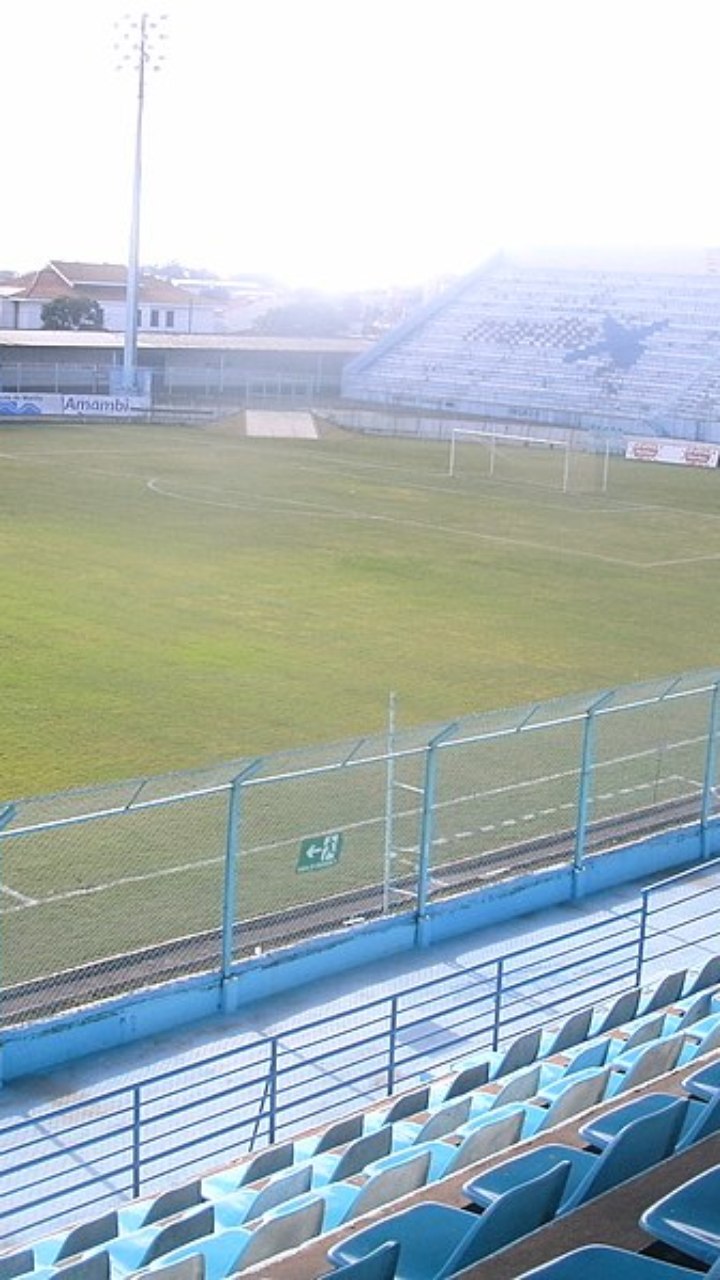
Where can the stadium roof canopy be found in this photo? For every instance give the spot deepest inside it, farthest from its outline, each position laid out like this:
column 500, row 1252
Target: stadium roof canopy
column 87, row 340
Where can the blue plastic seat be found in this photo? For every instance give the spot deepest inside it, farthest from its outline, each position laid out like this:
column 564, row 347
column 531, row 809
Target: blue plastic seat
column 403, row 1107
column 378, row 1265
column 141, row 1213
column 708, row 976
column 666, row 992
column 262, row 1165
column 687, row 1219
column 437, row 1240
column 572, row 1032
column 650, row 1061
column 465, row 1081
column 226, row 1252
column 579, row 1094
column 690, row 1010
column 625, row 1040
column 250, row 1203
column 495, row 1132
column 701, row 1119
column 703, row 1037
column 338, row 1134
column 335, row 1167
column 703, row 1083
column 603, row 1128
column 139, row 1249
column 599, row 1261
column 622, row 1009
column 192, row 1268
column 637, row 1147
column 89, row 1266
column 444, row 1120
column 594, row 1053
column 344, row 1201
column 556, row 1088
column 522, row 1051
column 16, row 1264
column 522, row 1085
column 701, row 1123
column 51, row 1250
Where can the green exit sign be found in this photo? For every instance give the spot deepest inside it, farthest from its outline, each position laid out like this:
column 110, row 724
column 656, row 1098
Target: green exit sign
column 319, row 852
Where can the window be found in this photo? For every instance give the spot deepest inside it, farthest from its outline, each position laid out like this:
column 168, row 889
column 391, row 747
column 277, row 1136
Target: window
column 154, row 319
column 139, row 318
column 169, row 319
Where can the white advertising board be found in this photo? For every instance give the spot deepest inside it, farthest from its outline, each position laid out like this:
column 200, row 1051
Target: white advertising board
column 118, row 406
column 44, row 405
column 683, row 453
column 22, row 405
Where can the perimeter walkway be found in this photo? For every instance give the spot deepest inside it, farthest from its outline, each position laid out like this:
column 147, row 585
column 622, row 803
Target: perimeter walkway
column 340, row 994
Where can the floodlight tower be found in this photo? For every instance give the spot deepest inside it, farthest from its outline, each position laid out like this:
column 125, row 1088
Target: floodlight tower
column 140, row 48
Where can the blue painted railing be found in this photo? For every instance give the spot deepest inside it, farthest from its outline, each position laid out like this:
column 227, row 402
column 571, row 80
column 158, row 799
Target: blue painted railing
column 91, row 1154
column 419, row 816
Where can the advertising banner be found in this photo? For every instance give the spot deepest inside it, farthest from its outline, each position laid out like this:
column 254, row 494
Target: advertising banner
column 47, row 405
column 117, row 406
column 682, row 452
column 23, row 405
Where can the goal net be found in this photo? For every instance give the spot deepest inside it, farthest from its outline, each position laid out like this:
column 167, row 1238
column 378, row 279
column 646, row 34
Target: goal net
column 575, row 462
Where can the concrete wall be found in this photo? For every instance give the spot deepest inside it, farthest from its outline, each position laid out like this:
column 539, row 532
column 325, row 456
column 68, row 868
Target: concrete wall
column 41, row 1046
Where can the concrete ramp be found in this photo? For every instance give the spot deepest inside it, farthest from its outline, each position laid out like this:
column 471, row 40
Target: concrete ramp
column 264, row 422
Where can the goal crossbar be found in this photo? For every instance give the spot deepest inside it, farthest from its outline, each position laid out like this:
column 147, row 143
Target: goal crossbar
column 495, row 438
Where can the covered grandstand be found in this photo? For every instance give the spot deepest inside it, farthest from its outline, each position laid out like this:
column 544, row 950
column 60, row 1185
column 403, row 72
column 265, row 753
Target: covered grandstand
column 631, row 351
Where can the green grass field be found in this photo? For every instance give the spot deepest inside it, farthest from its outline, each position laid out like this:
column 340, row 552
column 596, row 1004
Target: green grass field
column 176, row 596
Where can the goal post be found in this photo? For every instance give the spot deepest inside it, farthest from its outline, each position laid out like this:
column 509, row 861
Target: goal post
column 551, row 462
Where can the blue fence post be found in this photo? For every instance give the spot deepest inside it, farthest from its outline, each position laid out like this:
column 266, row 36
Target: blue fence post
column 426, row 832
column 7, row 813
column 642, row 935
column 273, row 1092
column 136, row 1140
column 499, row 983
column 587, row 762
column 392, row 1046
column 711, row 764
column 232, row 849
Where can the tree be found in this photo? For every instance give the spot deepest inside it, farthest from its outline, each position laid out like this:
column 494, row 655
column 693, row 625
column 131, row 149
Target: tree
column 72, row 313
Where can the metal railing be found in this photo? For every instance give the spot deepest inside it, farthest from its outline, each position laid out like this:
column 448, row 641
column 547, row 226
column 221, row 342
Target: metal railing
column 175, row 1124
column 105, row 891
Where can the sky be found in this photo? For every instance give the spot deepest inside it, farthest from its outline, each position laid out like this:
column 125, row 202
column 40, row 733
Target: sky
column 344, row 144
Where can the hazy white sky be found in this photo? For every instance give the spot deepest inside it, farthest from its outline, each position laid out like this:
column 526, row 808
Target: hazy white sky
column 355, row 142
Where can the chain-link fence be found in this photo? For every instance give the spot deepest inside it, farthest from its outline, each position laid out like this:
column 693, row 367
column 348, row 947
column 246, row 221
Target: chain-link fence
column 119, row 887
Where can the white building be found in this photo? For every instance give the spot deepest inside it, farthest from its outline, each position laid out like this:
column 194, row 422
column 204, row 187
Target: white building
column 162, row 307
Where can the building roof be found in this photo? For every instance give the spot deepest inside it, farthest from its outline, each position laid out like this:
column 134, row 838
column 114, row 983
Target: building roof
column 87, row 340
column 90, row 273
column 104, row 281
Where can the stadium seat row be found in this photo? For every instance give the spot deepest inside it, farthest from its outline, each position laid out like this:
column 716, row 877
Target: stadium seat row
column 313, row 1185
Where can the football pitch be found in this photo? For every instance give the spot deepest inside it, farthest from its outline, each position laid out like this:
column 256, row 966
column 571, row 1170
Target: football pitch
column 176, row 596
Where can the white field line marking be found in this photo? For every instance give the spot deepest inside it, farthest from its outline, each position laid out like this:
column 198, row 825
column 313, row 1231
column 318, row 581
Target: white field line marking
column 315, row 510
column 204, row 443
column 346, row 468
column 670, row 564
column 21, row 897
column 87, row 891
column 26, row 903
column 311, row 509
column 349, row 472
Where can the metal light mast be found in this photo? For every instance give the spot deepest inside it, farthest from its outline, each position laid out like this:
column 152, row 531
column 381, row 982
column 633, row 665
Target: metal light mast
column 141, row 50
